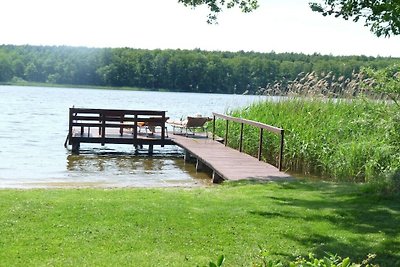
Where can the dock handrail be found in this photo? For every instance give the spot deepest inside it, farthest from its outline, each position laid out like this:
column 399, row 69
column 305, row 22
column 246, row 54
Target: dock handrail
column 256, row 124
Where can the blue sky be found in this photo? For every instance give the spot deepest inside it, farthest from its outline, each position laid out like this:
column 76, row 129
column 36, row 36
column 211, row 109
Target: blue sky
column 278, row 25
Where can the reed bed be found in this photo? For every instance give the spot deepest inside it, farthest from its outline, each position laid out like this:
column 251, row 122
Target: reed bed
column 341, row 139
column 313, row 84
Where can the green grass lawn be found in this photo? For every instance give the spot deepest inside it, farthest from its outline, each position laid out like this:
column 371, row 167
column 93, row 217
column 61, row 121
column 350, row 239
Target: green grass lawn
column 190, row 227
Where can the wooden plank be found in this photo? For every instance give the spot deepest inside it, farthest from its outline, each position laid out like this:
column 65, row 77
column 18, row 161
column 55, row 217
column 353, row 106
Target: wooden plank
column 106, row 125
column 113, row 136
column 118, row 111
column 229, row 163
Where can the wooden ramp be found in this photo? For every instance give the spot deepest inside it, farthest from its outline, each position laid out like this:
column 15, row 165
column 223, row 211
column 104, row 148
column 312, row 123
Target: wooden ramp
column 226, row 163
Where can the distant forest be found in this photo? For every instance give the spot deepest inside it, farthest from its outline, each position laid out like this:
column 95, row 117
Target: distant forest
column 174, row 70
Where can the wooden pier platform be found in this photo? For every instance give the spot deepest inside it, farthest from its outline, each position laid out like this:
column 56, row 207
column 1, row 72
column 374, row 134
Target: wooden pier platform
column 224, row 162
column 111, row 126
column 105, row 126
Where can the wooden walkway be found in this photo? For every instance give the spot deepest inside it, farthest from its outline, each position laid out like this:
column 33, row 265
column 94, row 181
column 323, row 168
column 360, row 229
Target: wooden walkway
column 106, row 126
column 224, row 162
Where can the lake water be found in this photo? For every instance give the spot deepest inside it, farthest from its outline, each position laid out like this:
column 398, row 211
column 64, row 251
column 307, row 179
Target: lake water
column 34, row 125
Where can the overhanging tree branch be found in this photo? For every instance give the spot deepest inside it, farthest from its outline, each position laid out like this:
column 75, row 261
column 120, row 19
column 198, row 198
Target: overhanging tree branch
column 381, row 16
column 217, row 6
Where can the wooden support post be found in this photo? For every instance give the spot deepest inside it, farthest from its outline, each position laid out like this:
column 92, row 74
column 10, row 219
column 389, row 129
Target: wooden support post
column 186, row 157
column 103, row 130
column 200, row 165
column 75, row 147
column 216, row 178
column 100, row 118
column 70, row 125
column 260, row 144
column 121, row 128
column 280, row 162
column 150, row 150
column 135, row 127
column 162, row 127
column 213, row 134
column 226, row 133
column 241, row 138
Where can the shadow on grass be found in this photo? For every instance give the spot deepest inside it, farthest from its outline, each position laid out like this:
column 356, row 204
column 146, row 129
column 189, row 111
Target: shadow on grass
column 346, row 208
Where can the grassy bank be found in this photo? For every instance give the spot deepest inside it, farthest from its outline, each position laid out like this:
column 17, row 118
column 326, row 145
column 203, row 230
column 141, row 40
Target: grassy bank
column 175, row 227
column 344, row 140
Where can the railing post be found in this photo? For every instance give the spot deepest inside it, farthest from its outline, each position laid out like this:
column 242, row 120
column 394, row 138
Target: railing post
column 226, row 133
column 241, row 138
column 281, row 151
column 71, row 112
column 100, row 117
column 121, row 129
column 103, row 129
column 260, row 144
column 135, row 128
column 162, row 127
column 213, row 134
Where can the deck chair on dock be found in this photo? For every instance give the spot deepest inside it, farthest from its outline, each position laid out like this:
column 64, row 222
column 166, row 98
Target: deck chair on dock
column 189, row 125
column 151, row 124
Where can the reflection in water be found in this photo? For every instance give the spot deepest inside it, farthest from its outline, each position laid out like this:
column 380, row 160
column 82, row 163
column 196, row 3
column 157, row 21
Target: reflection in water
column 116, row 164
column 125, row 169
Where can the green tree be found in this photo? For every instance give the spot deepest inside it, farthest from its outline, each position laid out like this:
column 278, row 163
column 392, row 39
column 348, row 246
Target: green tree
column 382, row 16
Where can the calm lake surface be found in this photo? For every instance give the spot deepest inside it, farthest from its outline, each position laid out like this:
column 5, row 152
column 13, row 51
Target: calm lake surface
column 34, row 125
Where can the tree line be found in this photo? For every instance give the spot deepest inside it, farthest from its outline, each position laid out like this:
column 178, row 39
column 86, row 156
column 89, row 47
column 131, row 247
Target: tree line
column 174, row 70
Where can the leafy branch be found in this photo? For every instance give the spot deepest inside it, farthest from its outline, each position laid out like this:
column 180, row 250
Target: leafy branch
column 217, row 6
column 381, row 16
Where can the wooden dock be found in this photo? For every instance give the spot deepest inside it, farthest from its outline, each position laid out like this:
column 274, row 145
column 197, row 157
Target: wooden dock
column 138, row 128
column 224, row 162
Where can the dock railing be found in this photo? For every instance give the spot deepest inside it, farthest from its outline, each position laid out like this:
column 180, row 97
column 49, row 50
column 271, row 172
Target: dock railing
column 256, row 124
column 85, row 120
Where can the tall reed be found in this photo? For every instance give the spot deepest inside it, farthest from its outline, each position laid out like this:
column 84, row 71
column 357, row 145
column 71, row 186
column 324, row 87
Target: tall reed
column 347, row 140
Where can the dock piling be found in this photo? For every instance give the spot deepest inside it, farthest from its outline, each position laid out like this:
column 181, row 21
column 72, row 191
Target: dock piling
column 216, row 178
column 200, row 165
column 186, row 157
column 75, row 147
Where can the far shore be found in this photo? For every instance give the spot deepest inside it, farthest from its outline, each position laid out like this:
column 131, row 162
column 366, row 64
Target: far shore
column 55, row 85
